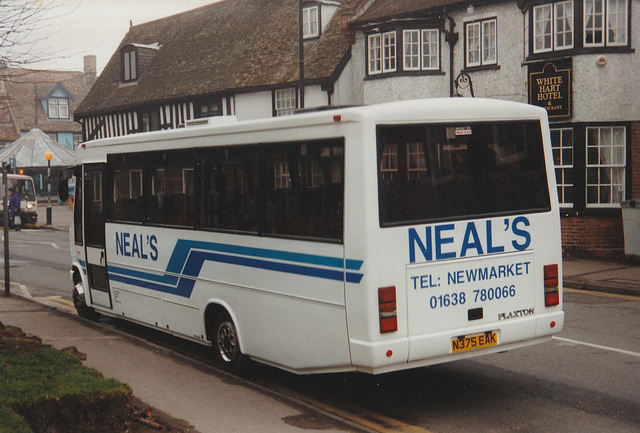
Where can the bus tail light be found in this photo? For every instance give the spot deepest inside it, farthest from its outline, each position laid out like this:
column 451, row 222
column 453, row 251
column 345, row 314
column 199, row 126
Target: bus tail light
column 551, row 286
column 387, row 309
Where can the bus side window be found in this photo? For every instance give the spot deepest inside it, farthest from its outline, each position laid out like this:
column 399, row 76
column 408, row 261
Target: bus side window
column 305, row 189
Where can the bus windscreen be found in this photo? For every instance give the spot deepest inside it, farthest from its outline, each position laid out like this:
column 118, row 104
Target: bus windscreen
column 24, row 187
column 431, row 172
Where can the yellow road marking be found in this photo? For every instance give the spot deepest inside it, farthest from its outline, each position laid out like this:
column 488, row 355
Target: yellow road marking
column 603, row 294
column 358, row 415
column 58, row 302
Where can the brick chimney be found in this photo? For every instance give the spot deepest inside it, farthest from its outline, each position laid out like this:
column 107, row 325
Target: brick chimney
column 89, row 70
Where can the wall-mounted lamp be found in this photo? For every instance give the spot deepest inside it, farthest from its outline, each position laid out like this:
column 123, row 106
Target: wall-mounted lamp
column 470, row 10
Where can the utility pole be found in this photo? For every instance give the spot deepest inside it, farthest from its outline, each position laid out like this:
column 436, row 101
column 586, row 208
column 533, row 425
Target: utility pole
column 5, row 213
column 35, row 100
column 48, row 156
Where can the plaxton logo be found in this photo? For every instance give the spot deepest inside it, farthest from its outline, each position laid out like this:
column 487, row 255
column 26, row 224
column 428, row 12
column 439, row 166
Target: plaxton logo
column 514, row 314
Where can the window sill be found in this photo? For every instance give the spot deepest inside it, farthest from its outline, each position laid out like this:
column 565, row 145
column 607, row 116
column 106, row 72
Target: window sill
column 405, row 74
column 592, row 212
column 128, row 83
column 469, row 69
column 560, row 54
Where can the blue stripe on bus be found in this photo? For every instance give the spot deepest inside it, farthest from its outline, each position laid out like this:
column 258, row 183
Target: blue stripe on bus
column 188, row 257
column 183, row 288
column 163, row 279
column 183, row 247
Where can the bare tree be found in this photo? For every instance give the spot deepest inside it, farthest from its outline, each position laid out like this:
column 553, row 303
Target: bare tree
column 20, row 44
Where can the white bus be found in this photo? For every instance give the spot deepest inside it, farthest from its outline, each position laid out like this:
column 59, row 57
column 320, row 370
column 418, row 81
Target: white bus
column 24, row 186
column 374, row 238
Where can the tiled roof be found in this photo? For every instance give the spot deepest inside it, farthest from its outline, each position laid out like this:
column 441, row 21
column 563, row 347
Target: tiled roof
column 227, row 47
column 382, row 10
column 8, row 129
column 30, row 149
column 24, row 86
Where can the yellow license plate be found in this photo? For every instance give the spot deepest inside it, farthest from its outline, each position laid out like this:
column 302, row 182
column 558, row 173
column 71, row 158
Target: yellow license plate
column 472, row 342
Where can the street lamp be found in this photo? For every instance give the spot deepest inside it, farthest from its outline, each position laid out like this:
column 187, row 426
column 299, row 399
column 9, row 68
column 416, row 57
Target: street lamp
column 48, row 156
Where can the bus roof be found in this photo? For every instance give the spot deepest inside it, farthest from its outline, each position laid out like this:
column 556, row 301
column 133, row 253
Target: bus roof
column 418, row 110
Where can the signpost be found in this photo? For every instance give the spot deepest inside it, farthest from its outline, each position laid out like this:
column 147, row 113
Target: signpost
column 5, row 213
column 550, row 87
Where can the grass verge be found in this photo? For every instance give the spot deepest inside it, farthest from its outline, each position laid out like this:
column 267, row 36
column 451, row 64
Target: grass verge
column 41, row 388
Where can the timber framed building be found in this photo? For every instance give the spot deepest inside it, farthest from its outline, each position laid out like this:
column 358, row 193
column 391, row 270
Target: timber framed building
column 576, row 58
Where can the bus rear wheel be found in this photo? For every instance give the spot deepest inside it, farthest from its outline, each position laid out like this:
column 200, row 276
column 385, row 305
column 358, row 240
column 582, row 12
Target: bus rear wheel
column 226, row 346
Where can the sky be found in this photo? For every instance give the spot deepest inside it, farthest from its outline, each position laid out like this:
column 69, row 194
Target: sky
column 75, row 28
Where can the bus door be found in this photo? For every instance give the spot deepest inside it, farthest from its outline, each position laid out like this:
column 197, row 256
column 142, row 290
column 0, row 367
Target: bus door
column 94, row 219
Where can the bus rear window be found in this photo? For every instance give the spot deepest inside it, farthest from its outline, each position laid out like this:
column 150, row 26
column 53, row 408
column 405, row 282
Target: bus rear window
column 459, row 171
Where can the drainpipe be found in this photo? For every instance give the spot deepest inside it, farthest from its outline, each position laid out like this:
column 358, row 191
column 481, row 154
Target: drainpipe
column 301, row 54
column 452, row 39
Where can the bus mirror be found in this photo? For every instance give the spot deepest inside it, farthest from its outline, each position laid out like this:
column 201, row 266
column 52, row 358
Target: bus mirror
column 63, row 190
column 63, row 183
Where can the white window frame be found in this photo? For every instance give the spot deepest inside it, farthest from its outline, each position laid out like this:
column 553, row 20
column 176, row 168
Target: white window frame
column 416, row 164
column 310, row 22
column 130, row 69
column 617, row 20
column 160, row 188
column 563, row 17
column 281, row 175
column 543, row 28
column 382, row 49
column 489, row 42
column 473, row 48
column 97, row 185
column 594, row 22
column 389, row 162
column 611, row 163
column 77, row 140
column 481, row 41
column 609, row 19
column 285, row 101
column 188, row 180
column 389, row 50
column 563, row 147
column 421, row 49
column 375, row 54
column 133, row 192
column 430, row 49
column 58, row 108
column 411, row 52
column 552, row 22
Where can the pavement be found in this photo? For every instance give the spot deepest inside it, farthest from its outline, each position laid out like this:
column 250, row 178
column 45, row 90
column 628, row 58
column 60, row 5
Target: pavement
column 209, row 400
column 61, row 215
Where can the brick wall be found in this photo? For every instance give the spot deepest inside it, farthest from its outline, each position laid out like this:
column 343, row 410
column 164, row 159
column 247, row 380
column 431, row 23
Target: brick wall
column 599, row 237
column 602, row 237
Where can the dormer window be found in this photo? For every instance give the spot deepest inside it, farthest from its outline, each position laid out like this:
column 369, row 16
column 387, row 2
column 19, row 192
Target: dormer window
column 310, row 22
column 129, row 64
column 58, row 108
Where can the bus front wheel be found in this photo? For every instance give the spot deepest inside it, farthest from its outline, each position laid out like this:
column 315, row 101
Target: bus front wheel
column 225, row 344
column 80, row 302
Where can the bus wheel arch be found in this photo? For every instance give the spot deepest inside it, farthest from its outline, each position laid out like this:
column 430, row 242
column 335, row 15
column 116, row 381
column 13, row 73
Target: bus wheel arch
column 79, row 298
column 223, row 334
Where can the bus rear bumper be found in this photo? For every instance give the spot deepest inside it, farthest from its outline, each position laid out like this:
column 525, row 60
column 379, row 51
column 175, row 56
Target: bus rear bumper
column 436, row 348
